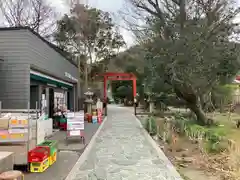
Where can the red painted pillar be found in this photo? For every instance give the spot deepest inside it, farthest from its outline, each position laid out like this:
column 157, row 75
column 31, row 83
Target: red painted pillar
column 105, row 89
column 134, row 87
column 105, row 94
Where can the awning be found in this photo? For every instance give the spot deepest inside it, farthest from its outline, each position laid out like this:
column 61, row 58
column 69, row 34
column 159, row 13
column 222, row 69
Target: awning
column 48, row 79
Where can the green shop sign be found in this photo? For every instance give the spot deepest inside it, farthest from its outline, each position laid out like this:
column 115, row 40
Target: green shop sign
column 49, row 81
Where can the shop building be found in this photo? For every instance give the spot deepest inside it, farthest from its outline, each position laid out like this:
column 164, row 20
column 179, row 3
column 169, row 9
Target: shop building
column 34, row 70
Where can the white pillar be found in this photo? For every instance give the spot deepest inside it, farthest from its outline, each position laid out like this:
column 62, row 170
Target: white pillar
column 47, row 100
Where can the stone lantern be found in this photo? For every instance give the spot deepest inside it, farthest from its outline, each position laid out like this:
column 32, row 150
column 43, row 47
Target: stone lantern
column 88, row 102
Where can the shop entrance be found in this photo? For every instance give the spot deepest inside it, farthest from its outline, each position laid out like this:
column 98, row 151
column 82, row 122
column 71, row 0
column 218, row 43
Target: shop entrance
column 51, row 102
column 68, row 100
column 34, row 101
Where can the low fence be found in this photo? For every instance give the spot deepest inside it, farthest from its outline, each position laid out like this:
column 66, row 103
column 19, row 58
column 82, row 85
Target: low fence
column 236, row 99
column 151, row 109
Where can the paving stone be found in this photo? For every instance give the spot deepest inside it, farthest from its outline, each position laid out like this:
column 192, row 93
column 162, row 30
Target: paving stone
column 122, row 152
column 124, row 162
column 87, row 165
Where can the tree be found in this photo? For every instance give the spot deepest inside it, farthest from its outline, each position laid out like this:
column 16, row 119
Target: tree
column 189, row 45
column 124, row 92
column 37, row 14
column 89, row 32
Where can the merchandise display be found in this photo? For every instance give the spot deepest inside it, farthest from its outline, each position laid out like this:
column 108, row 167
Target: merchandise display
column 14, row 129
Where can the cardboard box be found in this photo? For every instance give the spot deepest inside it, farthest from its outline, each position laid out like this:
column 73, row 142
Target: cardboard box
column 18, row 122
column 4, row 123
column 18, row 137
column 17, row 131
column 4, row 135
column 6, row 161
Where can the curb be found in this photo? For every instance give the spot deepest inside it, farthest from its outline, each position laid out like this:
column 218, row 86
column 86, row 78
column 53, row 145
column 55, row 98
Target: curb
column 85, row 153
column 158, row 150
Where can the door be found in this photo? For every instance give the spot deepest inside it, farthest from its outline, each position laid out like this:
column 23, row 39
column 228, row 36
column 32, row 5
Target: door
column 51, row 102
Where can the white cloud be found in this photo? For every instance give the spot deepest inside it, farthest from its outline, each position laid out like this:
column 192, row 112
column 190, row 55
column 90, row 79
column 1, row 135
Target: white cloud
column 112, row 6
column 60, row 5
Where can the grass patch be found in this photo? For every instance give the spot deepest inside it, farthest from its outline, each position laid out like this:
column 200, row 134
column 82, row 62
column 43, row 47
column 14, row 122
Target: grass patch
column 228, row 125
column 214, row 137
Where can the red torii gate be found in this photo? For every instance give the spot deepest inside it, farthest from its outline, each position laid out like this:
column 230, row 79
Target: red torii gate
column 237, row 78
column 118, row 77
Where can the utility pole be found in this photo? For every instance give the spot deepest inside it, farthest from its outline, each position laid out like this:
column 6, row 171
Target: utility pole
column 79, row 76
column 86, row 74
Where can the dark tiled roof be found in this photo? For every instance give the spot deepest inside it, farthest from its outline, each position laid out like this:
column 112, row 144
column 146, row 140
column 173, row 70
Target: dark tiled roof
column 51, row 45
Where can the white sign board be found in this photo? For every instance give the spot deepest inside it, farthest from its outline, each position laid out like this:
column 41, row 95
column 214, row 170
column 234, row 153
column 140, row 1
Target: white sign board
column 75, row 133
column 70, row 76
column 75, row 124
column 70, row 115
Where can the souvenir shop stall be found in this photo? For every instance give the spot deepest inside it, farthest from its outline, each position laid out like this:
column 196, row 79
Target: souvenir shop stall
column 24, row 133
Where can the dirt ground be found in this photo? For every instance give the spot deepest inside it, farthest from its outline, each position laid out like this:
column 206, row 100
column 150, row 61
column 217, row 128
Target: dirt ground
column 186, row 156
column 188, row 159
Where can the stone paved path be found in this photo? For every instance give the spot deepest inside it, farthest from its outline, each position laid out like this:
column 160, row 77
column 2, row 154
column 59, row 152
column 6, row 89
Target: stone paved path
column 122, row 151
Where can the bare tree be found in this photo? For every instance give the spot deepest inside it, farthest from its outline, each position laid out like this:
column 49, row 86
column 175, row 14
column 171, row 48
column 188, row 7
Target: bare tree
column 138, row 13
column 37, row 14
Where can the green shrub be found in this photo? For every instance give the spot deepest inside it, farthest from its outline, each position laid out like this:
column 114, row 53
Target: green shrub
column 151, row 125
column 214, row 136
column 180, row 123
column 215, row 142
column 215, row 147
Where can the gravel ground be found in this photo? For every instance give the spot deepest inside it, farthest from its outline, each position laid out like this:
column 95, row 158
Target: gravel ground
column 123, row 151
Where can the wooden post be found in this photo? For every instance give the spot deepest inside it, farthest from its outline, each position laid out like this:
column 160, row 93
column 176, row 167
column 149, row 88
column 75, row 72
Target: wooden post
column 150, row 126
column 135, row 106
column 105, row 94
column 105, row 89
column 158, row 132
column 134, row 87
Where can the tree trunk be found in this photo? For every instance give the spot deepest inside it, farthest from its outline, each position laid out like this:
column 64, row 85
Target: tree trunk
column 86, row 76
column 201, row 116
column 194, row 103
column 206, row 102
